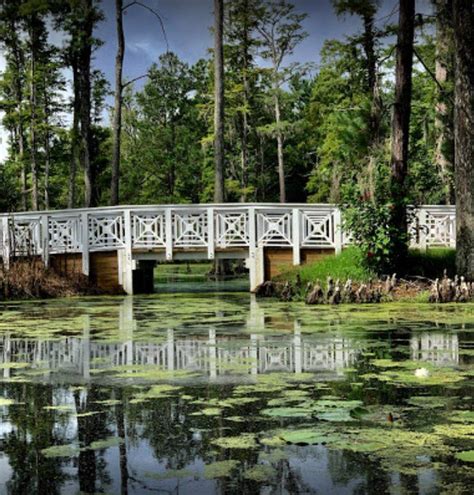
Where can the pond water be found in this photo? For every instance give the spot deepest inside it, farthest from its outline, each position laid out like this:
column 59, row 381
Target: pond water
column 221, row 393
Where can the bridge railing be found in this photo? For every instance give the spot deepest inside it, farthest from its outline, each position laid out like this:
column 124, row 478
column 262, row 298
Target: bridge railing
column 210, row 227
column 171, row 227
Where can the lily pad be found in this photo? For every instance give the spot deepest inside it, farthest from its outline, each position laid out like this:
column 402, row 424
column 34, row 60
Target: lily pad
column 428, row 401
column 307, row 436
column 106, row 443
column 462, row 416
column 465, row 456
column 61, row 451
column 287, row 412
column 208, row 411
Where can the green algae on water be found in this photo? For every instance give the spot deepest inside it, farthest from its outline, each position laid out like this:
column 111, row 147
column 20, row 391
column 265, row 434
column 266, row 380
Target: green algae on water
column 244, row 441
column 220, row 469
column 260, row 473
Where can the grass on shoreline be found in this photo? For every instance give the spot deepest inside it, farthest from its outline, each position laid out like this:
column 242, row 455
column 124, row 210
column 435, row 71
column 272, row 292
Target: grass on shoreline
column 349, row 264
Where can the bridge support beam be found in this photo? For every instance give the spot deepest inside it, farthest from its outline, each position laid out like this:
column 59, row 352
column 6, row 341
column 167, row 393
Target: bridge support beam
column 256, row 265
column 126, row 265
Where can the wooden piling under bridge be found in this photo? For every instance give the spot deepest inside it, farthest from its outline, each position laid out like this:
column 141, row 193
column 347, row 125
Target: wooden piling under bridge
column 117, row 247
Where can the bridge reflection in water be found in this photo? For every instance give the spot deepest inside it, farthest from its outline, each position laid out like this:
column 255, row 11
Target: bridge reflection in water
column 211, row 353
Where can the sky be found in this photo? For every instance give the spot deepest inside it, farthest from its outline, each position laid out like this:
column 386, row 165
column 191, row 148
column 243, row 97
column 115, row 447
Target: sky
column 187, row 24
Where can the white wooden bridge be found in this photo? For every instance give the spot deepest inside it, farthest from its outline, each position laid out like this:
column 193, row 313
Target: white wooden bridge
column 115, row 245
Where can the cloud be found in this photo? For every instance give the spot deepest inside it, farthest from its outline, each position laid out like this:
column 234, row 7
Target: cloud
column 143, row 46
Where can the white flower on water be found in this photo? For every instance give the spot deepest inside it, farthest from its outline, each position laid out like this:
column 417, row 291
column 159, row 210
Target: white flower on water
column 422, row 373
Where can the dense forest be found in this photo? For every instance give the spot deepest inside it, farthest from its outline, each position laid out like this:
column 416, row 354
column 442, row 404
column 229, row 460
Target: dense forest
column 327, row 126
column 374, row 119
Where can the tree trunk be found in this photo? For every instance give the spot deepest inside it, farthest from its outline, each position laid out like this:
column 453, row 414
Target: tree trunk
column 463, row 18
column 20, row 132
column 368, row 43
column 21, row 158
column 218, row 101
column 400, row 131
column 33, row 124
column 244, row 157
column 47, row 168
column 84, row 73
column 444, row 118
column 245, row 81
column 75, row 148
column 281, row 162
column 117, row 123
column 376, row 102
column 122, row 433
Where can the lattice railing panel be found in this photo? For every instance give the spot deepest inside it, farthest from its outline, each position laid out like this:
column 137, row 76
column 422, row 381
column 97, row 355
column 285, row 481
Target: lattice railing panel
column 148, row 230
column 318, row 229
column 433, row 226
column 231, row 229
column 106, row 231
column 274, row 229
column 65, row 234
column 25, row 237
column 441, row 229
column 190, row 229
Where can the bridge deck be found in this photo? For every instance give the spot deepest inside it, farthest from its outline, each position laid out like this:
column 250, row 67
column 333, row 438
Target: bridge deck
column 171, row 232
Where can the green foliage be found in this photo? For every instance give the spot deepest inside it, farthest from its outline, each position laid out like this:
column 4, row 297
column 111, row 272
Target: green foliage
column 370, row 228
column 331, row 151
column 161, row 147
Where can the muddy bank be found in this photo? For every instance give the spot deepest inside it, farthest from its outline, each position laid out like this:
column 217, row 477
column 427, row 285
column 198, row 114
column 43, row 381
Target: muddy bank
column 29, row 279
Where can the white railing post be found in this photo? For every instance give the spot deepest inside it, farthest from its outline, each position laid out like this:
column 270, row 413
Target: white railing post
column 45, row 239
column 85, row 243
column 452, row 232
column 296, row 237
column 338, row 234
column 256, row 255
column 252, row 229
column 127, row 259
column 210, row 233
column 422, row 229
column 6, row 242
column 169, row 234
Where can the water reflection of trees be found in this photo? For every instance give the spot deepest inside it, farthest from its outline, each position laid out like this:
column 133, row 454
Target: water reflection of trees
column 32, row 429
column 178, row 438
column 167, row 426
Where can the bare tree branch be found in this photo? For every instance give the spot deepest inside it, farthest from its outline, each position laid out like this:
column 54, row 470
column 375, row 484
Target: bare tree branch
column 155, row 13
column 125, row 84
